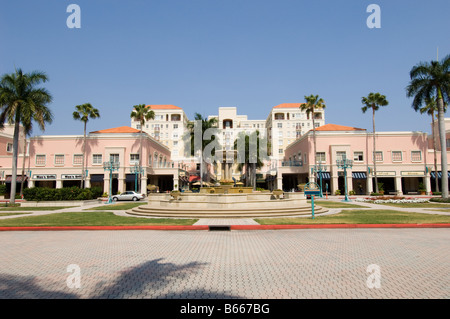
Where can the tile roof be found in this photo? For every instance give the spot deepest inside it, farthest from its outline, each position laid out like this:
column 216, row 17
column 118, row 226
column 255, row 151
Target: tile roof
column 121, row 129
column 164, row 107
column 335, row 127
column 288, row 105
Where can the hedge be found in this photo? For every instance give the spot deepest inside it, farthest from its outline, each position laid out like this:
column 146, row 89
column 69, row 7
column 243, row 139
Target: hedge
column 59, row 194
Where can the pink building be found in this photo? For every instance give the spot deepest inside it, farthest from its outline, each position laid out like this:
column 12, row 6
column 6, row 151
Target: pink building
column 56, row 161
column 403, row 161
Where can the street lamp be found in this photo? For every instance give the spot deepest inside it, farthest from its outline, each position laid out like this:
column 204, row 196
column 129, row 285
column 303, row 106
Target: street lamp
column 136, row 170
column 110, row 166
column 319, row 169
column 345, row 163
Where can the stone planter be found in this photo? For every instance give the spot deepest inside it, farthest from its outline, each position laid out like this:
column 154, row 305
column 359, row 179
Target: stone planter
column 277, row 193
column 175, row 194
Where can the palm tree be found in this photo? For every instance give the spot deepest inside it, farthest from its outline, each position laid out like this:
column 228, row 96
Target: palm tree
column 313, row 103
column 40, row 116
column 141, row 114
column 250, row 164
column 373, row 101
column 84, row 112
column 428, row 80
column 18, row 92
column 206, row 125
column 430, row 108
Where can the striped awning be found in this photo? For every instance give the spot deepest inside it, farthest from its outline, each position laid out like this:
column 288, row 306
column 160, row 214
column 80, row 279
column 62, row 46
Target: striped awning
column 359, row 175
column 324, row 175
column 18, row 179
column 433, row 174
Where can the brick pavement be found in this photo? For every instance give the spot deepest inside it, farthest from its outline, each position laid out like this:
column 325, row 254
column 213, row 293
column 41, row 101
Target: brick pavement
column 286, row 264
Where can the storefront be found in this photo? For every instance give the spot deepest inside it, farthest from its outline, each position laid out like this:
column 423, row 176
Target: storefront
column 70, row 180
column 44, row 180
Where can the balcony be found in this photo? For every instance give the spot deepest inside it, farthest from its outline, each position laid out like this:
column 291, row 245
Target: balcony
column 291, row 163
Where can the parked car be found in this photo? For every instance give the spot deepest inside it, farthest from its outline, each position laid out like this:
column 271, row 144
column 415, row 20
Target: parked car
column 128, row 195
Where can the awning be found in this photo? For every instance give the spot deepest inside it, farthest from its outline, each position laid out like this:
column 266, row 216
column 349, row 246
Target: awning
column 130, row 178
column 193, row 178
column 433, row 174
column 361, row 175
column 325, row 175
column 18, row 179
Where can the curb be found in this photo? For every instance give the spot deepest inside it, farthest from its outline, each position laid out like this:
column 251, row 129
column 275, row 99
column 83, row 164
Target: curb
column 232, row 227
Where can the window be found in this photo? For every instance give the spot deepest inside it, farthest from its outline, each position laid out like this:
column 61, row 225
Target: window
column 358, row 156
column 340, row 155
column 320, row 157
column 77, row 159
column 280, row 142
column 9, row 147
column 175, row 143
column 396, row 156
column 280, row 125
column 59, row 159
column 316, row 125
column 416, row 156
column 138, row 126
column 175, row 152
column 280, row 133
column 97, row 159
column 175, row 126
column 114, row 158
column 280, row 151
column 134, row 158
column 378, row 156
column 40, row 159
column 447, row 142
column 175, row 135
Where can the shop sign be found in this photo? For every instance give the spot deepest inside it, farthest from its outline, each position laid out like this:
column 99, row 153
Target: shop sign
column 412, row 173
column 44, row 176
column 70, row 176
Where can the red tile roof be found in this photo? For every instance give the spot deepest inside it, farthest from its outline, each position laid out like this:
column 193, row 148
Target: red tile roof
column 288, row 105
column 164, row 107
column 121, row 129
column 335, row 127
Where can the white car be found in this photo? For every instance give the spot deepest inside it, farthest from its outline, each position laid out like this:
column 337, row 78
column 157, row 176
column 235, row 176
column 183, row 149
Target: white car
column 128, row 195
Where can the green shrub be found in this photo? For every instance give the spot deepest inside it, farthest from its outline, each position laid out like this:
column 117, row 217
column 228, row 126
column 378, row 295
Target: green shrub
column 440, row 200
column 338, row 192
column 59, row 194
column 437, row 193
column 352, row 192
column 2, row 189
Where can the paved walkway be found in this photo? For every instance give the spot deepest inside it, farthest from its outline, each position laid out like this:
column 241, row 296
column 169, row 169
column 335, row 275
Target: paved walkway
column 285, row 264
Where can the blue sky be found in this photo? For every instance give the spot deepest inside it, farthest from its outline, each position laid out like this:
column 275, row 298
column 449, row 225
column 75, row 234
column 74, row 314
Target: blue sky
column 204, row 54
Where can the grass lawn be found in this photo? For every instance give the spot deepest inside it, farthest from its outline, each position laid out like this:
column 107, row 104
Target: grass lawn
column 334, row 204
column 86, row 218
column 361, row 217
column 34, row 209
column 118, row 206
column 10, row 214
column 417, row 205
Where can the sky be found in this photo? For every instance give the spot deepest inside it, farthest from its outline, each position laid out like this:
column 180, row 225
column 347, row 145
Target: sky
column 204, row 54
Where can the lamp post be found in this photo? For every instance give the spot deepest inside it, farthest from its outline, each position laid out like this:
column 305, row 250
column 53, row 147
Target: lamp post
column 319, row 169
column 136, row 170
column 110, row 166
column 345, row 163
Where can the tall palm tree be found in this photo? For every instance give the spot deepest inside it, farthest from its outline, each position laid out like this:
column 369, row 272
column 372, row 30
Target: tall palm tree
column 141, row 114
column 313, row 103
column 430, row 108
column 18, row 92
column 373, row 101
column 206, row 125
column 41, row 116
column 430, row 79
column 83, row 113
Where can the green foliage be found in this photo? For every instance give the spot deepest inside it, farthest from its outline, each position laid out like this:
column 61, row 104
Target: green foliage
column 440, row 200
column 352, row 192
column 60, row 194
column 338, row 192
column 2, row 189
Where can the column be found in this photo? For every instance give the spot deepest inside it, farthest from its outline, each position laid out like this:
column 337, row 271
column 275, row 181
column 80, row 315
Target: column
column 334, row 184
column 144, row 184
column 106, row 182
column 279, row 182
column 30, row 183
column 121, row 186
column 87, row 182
column 349, row 182
column 398, row 185
column 427, row 179
column 369, row 185
column 58, row 183
column 175, row 182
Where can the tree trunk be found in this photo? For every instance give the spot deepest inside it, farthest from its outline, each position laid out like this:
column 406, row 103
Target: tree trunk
column 140, row 160
column 23, row 164
column 444, row 170
column 83, row 172
column 12, row 199
column 314, row 143
column 435, row 155
column 374, row 153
